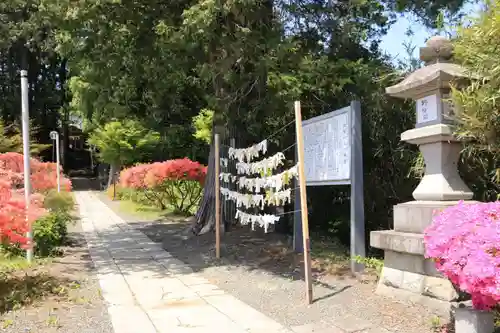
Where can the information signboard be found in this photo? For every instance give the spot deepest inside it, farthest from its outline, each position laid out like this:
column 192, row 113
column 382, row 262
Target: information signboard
column 333, row 155
column 327, row 148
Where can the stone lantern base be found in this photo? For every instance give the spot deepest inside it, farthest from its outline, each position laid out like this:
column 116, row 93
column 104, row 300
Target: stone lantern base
column 407, row 274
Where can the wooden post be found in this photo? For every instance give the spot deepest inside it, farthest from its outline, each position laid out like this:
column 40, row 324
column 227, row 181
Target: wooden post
column 114, row 187
column 303, row 203
column 217, row 196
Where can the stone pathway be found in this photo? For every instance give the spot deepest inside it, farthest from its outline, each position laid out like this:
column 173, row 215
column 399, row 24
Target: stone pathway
column 149, row 291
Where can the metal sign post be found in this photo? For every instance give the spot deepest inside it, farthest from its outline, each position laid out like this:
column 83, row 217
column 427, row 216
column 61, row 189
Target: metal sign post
column 55, row 136
column 217, row 195
column 26, row 154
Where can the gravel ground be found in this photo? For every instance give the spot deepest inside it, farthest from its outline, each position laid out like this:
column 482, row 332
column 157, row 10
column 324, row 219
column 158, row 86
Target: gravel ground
column 258, row 269
column 66, row 296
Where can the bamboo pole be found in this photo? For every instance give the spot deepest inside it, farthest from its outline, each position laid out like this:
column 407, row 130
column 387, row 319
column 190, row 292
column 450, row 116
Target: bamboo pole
column 303, row 203
column 217, row 196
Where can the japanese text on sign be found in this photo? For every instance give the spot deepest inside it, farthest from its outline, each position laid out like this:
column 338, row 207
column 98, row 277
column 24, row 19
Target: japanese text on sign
column 427, row 109
column 327, row 148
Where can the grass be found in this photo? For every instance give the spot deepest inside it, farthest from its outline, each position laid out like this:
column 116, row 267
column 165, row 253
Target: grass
column 143, row 211
column 22, row 283
column 9, row 263
column 333, row 258
column 329, row 257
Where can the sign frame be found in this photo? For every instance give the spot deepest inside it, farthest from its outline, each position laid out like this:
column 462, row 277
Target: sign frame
column 357, row 218
column 332, row 114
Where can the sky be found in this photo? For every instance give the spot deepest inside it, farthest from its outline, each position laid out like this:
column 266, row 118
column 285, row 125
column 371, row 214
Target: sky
column 393, row 42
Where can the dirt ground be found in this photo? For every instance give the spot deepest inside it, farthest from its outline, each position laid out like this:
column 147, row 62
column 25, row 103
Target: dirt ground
column 261, row 270
column 61, row 295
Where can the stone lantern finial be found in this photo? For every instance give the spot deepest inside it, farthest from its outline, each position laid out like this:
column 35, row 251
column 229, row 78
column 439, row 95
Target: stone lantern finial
column 437, row 49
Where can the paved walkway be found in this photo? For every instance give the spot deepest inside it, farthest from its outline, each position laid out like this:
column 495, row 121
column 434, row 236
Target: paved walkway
column 149, row 291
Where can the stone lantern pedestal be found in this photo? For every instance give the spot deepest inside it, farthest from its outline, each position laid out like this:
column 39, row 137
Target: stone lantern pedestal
column 406, row 273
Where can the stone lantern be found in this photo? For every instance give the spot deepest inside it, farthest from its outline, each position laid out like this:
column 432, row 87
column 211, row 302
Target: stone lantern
column 406, row 273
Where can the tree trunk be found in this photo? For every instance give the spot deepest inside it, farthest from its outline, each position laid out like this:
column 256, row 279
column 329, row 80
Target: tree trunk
column 205, row 216
column 113, row 169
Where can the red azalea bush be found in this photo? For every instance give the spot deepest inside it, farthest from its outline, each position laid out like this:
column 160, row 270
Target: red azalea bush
column 134, row 177
column 464, row 241
column 43, row 174
column 173, row 182
column 13, row 222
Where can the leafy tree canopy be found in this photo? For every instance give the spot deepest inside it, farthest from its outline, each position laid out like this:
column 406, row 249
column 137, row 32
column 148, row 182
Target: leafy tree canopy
column 203, row 125
column 121, row 143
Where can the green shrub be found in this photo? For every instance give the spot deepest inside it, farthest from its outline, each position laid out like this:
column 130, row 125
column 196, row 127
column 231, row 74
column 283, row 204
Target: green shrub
column 50, row 232
column 183, row 195
column 59, row 202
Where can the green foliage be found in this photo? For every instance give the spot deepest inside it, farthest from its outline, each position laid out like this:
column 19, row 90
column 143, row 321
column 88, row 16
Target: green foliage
column 182, row 195
column 122, row 143
column 203, row 125
column 50, row 232
column 11, row 140
column 370, row 262
column 59, row 202
column 129, row 194
column 476, row 106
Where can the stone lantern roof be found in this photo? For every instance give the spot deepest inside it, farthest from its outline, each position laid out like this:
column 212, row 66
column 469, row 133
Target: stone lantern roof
column 437, row 73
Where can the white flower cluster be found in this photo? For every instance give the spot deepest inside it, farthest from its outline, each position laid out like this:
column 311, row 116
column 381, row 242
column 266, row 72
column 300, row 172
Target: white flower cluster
column 224, row 162
column 262, row 166
column 262, row 220
column 247, row 154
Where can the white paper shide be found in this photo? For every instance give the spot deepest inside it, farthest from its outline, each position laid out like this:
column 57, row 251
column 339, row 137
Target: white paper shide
column 265, row 190
column 224, row 162
column 243, row 200
column 279, row 198
column 248, row 154
column 262, row 166
column 275, row 182
column 262, row 221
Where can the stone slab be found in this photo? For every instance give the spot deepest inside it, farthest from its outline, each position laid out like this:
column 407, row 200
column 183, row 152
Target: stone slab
column 242, row 314
column 468, row 320
column 398, row 241
column 439, row 307
column 415, row 216
column 130, row 319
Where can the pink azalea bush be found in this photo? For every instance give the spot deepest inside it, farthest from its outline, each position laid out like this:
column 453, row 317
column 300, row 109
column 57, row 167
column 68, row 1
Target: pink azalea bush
column 464, row 242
